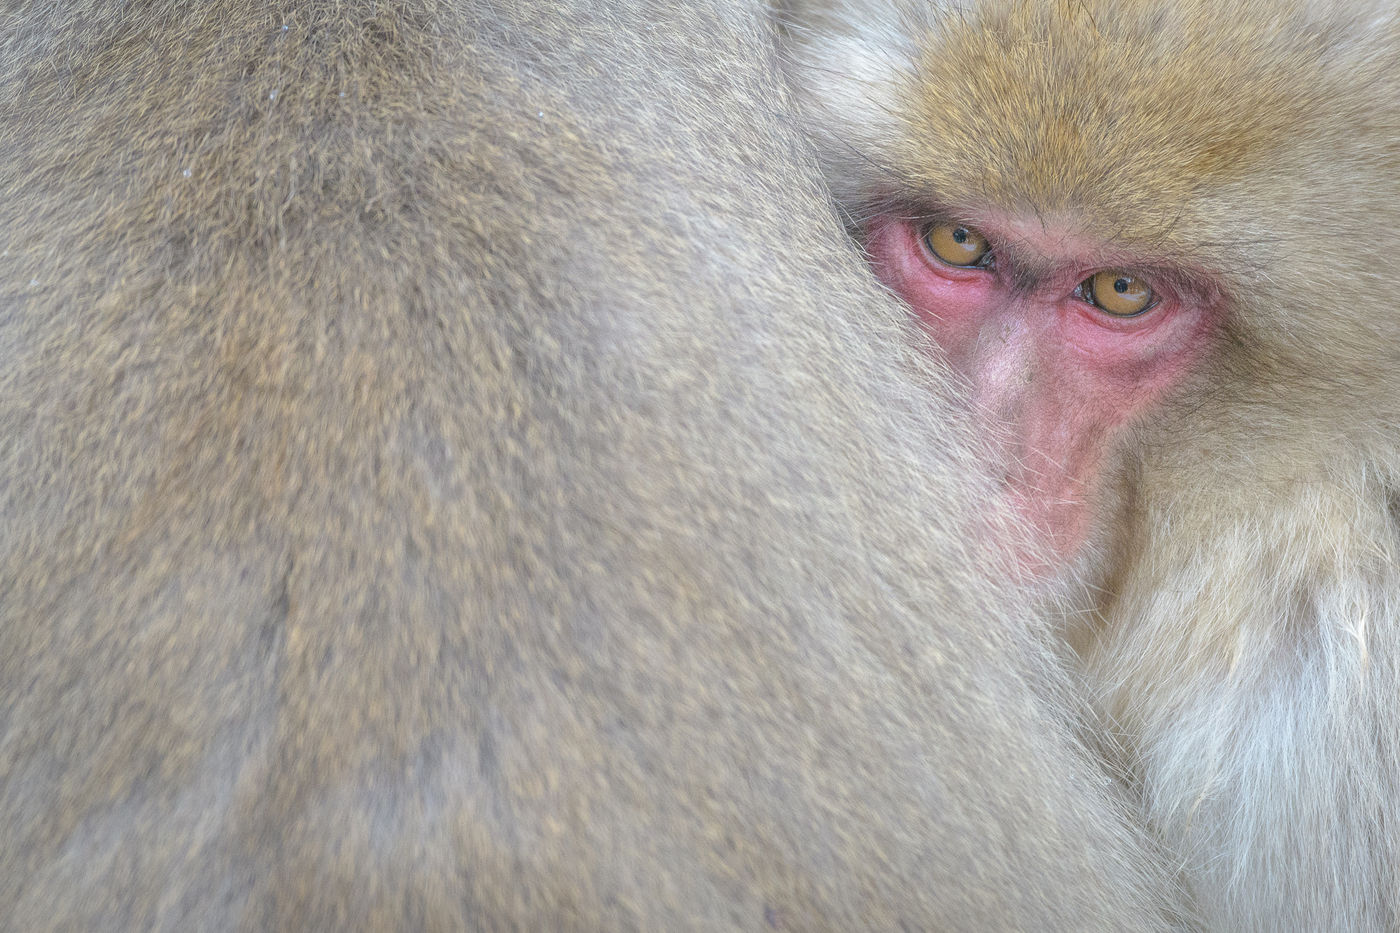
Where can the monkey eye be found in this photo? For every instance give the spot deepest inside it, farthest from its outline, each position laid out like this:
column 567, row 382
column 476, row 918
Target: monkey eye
column 957, row 245
column 1118, row 293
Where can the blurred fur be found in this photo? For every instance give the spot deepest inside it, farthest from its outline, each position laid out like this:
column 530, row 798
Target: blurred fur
column 455, row 475
column 1243, row 647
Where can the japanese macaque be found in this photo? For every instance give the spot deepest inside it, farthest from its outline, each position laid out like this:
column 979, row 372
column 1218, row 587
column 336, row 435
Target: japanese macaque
column 1159, row 241
column 451, row 483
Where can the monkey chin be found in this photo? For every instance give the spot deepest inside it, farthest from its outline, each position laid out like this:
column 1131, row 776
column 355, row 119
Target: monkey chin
column 1063, row 548
column 1058, row 520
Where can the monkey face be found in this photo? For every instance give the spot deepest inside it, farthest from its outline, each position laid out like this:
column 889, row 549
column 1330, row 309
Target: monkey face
column 1061, row 339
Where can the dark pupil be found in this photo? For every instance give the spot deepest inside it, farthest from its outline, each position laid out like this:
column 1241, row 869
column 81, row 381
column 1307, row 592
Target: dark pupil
column 1120, row 285
column 960, row 235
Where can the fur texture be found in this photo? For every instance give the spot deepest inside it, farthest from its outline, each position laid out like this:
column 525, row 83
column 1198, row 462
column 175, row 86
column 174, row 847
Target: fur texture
column 1242, row 641
column 455, row 475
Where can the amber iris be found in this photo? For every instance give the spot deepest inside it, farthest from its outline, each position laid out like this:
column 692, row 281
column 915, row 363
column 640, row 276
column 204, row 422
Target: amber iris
column 1118, row 293
column 956, row 244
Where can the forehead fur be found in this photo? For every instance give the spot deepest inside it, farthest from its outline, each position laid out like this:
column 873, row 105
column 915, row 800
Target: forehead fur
column 1046, row 106
column 1115, row 113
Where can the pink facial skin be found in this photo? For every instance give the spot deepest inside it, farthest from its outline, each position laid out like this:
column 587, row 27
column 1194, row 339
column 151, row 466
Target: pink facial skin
column 1054, row 378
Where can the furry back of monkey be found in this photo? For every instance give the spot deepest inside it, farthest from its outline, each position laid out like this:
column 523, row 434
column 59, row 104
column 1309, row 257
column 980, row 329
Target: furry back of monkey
column 454, row 475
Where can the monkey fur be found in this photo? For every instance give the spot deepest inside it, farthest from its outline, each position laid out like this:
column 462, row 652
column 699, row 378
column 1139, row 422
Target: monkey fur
column 1238, row 636
column 457, row 475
